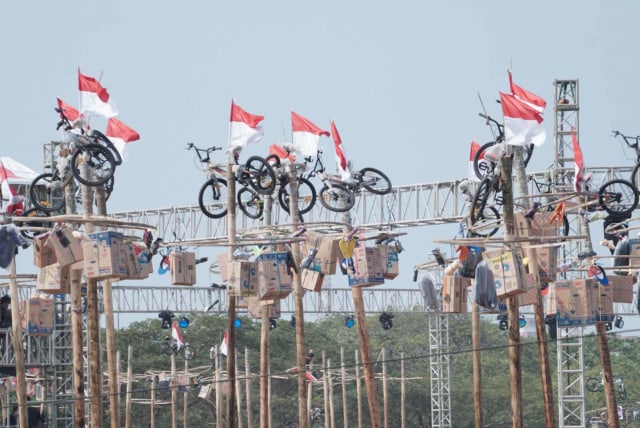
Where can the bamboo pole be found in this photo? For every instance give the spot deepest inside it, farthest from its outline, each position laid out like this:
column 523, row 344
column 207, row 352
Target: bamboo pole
column 127, row 410
column 185, row 398
column 358, row 391
column 309, row 398
column 18, row 349
column 385, row 389
column 343, row 372
column 513, row 310
column 247, row 371
column 77, row 347
column 238, row 400
column 265, row 421
column 325, row 390
column 477, row 366
column 231, row 310
column 152, row 407
column 332, row 412
column 218, row 389
column 402, row 391
column 174, row 393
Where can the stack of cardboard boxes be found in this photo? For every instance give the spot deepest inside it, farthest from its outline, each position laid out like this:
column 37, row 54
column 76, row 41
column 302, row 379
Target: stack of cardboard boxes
column 579, row 302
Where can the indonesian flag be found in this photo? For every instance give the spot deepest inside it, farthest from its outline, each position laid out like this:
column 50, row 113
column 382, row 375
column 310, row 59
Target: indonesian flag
column 310, row 377
column 471, row 173
column 94, row 99
column 532, row 100
column 120, row 134
column 245, row 128
column 70, row 113
column 578, row 160
column 305, row 135
column 10, row 203
column 224, row 346
column 175, row 333
column 341, row 159
column 522, row 124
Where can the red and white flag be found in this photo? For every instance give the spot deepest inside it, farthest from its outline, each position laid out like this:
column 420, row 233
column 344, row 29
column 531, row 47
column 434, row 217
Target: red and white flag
column 579, row 178
column 305, row 135
column 10, row 201
column 70, row 113
column 532, row 100
column 224, row 346
column 522, row 124
column 94, row 99
column 177, row 336
column 245, row 128
column 120, row 134
column 471, row 172
column 341, row 159
column 308, row 374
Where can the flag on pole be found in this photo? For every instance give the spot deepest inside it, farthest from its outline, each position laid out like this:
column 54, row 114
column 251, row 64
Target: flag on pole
column 245, row 128
column 305, row 135
column 522, row 124
column 10, row 202
column 341, row 159
column 70, row 113
column 532, row 100
column 94, row 99
column 471, row 172
column 177, row 336
column 224, row 346
column 120, row 134
column 579, row 178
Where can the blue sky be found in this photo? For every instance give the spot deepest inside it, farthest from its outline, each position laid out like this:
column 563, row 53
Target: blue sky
column 400, row 79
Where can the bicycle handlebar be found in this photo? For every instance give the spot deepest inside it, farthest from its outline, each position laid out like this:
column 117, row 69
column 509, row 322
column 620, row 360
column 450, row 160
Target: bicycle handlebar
column 626, row 138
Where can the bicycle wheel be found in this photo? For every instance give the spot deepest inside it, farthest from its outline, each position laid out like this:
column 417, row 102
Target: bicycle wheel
column 337, row 198
column 101, row 162
column 47, row 192
column 375, row 181
column 213, row 198
column 592, row 384
column 306, row 196
column 99, row 136
column 250, row 202
column 166, row 348
column 483, row 166
column 188, row 353
column 33, row 212
column 483, row 217
column 261, row 175
column 618, row 197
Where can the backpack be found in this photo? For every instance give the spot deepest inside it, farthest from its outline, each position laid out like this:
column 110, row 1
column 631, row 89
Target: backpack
column 485, row 289
column 428, row 293
column 468, row 269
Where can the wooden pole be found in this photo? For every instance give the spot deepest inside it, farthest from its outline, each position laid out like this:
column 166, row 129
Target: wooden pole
column 343, row 372
column 238, row 400
column 154, row 385
column 231, row 310
column 607, row 375
column 402, row 391
column 185, row 398
column 477, row 366
column 385, row 389
column 77, row 346
column 325, row 390
column 513, row 310
column 247, row 374
column 309, row 398
column 332, row 411
column 174, row 393
column 265, row 422
column 358, row 391
column 127, row 410
column 18, row 349
column 219, row 388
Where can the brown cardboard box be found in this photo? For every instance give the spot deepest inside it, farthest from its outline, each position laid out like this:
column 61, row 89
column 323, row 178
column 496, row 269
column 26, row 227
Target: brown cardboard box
column 312, row 280
column 223, row 260
column 521, row 224
column 37, row 316
column 242, row 278
column 368, row 267
column 274, row 280
column 43, row 253
column 622, row 288
column 256, row 307
column 508, row 273
column 328, row 252
column 66, row 245
column 102, row 262
column 530, row 296
column 454, row 294
column 53, row 279
column 143, row 256
column 390, row 261
column 182, row 265
column 547, row 262
column 540, row 224
column 582, row 302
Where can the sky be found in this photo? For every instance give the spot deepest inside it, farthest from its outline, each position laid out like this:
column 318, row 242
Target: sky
column 401, row 80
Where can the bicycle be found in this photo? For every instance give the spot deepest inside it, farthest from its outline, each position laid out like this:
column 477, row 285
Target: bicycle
column 93, row 148
column 38, row 225
column 170, row 346
column 306, row 191
column 594, row 384
column 256, row 177
column 635, row 174
column 488, row 156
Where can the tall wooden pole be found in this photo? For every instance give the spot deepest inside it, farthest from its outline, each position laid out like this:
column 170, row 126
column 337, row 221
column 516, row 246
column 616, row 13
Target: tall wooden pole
column 325, row 390
column 152, row 409
column 18, row 349
column 477, row 366
column 332, row 411
column 231, row 310
column 77, row 346
column 247, row 374
column 174, row 393
column 358, row 391
column 185, row 398
column 265, row 422
column 402, row 391
column 385, row 389
column 513, row 310
column 127, row 410
column 343, row 372
column 219, row 388
column 238, row 400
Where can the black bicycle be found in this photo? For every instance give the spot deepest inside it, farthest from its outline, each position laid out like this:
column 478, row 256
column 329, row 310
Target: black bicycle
column 170, row 346
column 306, row 191
column 594, row 384
column 632, row 142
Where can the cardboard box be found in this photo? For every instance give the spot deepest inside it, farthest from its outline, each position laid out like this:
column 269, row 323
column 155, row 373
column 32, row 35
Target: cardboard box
column 454, row 294
column 43, row 253
column 634, row 253
column 621, row 288
column 547, row 263
column 582, row 302
column 67, row 245
column 328, row 252
column 243, row 278
column 368, row 267
column 540, row 224
column 143, row 257
column 182, row 265
column 312, row 280
column 530, row 296
column 102, row 261
column 390, row 260
column 508, row 272
column 223, row 260
column 274, row 279
column 53, row 279
column 256, row 307
column 37, row 316
column 521, row 224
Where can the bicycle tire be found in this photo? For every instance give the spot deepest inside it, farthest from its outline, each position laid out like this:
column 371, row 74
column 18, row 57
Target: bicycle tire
column 262, row 177
column 483, row 167
column 100, row 160
column 273, row 160
column 622, row 393
column 381, row 185
column 212, row 197
column 167, row 349
column 481, row 212
column 188, row 352
column 250, row 202
column 99, row 136
column 33, row 212
column 47, row 192
column 337, row 198
column 592, row 384
column 618, row 197
column 306, row 194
